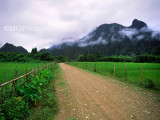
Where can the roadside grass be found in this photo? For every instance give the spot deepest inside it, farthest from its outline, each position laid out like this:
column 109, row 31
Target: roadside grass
column 150, row 72
column 71, row 119
column 47, row 107
column 134, row 86
column 62, row 83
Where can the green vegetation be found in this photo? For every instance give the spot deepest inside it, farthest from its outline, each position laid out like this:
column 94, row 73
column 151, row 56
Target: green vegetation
column 150, row 72
column 10, row 68
column 15, row 57
column 71, row 119
column 12, row 108
column 48, row 102
column 98, row 57
column 34, row 56
column 37, row 91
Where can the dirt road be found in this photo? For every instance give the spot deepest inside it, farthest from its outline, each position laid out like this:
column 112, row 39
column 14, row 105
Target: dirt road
column 95, row 98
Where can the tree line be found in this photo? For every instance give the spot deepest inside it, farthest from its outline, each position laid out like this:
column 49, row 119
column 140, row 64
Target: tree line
column 46, row 55
column 34, row 56
column 98, row 57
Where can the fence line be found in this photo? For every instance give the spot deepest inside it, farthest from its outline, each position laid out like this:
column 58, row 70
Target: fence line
column 125, row 72
column 93, row 66
column 26, row 76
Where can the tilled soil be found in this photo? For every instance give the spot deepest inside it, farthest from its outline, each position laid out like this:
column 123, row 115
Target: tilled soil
column 96, row 98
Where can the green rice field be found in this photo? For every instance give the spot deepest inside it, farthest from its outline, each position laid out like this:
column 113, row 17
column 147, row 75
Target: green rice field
column 150, row 71
column 7, row 70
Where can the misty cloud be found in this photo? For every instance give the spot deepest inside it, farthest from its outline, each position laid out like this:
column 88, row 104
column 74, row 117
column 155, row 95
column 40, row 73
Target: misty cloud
column 129, row 32
column 99, row 41
column 68, row 18
column 140, row 37
column 156, row 34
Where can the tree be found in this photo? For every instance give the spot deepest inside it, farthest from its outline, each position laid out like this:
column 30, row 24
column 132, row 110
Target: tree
column 81, row 58
column 61, row 58
column 34, row 51
column 46, row 56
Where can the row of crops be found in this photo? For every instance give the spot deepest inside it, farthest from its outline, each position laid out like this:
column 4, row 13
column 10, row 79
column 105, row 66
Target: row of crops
column 7, row 70
column 145, row 74
column 23, row 87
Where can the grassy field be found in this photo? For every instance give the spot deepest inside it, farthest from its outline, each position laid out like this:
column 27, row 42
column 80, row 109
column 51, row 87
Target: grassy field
column 6, row 68
column 133, row 71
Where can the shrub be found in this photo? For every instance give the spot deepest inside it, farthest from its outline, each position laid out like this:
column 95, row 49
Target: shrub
column 1, row 113
column 147, row 58
column 31, row 91
column 43, row 114
column 15, row 109
column 149, row 83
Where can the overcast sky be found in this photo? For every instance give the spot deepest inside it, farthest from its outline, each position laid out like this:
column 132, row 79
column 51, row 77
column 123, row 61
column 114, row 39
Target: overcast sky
column 43, row 23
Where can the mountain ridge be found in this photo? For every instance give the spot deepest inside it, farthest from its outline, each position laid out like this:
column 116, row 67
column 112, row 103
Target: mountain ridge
column 115, row 39
column 109, row 39
column 11, row 48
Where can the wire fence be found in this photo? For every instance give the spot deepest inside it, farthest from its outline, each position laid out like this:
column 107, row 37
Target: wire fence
column 8, row 88
column 143, row 74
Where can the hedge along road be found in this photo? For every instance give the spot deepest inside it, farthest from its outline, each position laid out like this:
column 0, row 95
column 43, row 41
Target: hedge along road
column 97, row 98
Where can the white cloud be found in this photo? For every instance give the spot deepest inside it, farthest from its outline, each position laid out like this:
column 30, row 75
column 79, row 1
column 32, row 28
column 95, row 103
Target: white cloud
column 156, row 34
column 98, row 41
column 129, row 32
column 68, row 18
column 140, row 37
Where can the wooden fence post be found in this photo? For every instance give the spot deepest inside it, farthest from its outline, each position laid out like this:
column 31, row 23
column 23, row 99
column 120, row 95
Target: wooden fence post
column 20, row 72
column 106, row 69
column 125, row 72
column 27, row 76
column 141, row 75
column 89, row 66
column 100, row 67
column 114, row 70
column 23, row 81
column 1, row 94
column 95, row 68
column 86, row 65
column 15, row 82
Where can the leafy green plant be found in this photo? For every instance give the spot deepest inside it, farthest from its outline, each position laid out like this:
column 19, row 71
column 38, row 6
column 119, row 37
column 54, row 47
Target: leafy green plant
column 15, row 109
column 32, row 91
column 44, row 77
column 48, row 102
column 27, row 94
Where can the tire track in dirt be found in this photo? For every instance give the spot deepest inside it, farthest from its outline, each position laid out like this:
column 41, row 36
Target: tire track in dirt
column 96, row 98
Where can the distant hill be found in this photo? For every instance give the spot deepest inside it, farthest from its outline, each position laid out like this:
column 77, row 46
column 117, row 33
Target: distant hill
column 114, row 39
column 11, row 48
